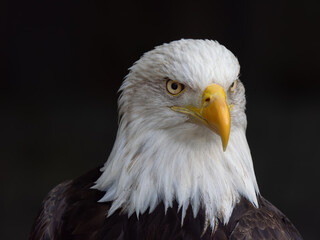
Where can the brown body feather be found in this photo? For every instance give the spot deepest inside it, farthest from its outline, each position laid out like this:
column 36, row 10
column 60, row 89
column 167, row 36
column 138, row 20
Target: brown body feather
column 71, row 212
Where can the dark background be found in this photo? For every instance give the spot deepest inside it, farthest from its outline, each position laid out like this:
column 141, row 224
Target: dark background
column 62, row 62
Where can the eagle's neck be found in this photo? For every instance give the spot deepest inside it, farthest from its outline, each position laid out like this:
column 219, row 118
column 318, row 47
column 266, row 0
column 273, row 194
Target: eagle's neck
column 186, row 165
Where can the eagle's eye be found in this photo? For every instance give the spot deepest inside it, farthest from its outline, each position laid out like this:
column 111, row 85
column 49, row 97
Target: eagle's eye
column 233, row 86
column 174, row 87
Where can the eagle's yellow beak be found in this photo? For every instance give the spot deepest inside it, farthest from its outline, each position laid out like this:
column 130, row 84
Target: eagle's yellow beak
column 214, row 112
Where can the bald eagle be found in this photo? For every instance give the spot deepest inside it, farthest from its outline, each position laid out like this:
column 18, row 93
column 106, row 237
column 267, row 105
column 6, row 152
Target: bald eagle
column 180, row 167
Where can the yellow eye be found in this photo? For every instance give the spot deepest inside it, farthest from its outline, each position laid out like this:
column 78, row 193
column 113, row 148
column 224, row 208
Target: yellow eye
column 174, row 87
column 233, row 86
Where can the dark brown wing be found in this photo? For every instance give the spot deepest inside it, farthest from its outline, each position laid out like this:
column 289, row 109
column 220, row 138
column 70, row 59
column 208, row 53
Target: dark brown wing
column 48, row 223
column 263, row 223
column 71, row 211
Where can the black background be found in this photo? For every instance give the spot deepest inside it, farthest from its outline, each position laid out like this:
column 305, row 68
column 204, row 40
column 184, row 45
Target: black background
column 62, row 62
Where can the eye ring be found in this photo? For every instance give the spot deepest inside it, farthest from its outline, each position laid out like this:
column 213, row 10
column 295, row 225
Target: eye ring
column 233, row 86
column 174, row 87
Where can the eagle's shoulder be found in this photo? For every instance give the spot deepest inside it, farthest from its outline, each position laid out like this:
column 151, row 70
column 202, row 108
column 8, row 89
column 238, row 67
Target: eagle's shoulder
column 265, row 222
column 53, row 207
column 67, row 206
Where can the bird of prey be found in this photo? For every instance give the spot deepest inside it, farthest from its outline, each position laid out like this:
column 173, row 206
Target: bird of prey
column 180, row 167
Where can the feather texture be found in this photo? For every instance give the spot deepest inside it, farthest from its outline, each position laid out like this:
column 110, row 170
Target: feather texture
column 83, row 218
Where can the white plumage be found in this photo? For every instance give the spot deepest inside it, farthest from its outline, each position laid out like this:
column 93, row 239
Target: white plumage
column 160, row 154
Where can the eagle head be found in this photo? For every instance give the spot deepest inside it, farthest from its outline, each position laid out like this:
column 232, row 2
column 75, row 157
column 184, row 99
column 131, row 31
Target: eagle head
column 181, row 134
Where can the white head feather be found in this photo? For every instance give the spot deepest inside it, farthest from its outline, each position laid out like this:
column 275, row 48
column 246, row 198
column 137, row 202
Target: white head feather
column 159, row 155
